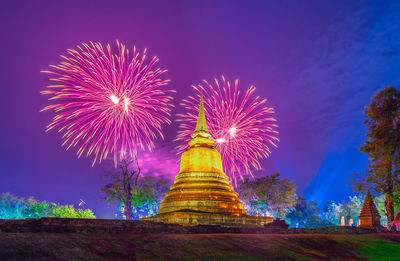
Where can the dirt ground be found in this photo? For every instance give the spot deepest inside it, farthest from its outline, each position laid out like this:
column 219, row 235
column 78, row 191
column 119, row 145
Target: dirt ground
column 76, row 246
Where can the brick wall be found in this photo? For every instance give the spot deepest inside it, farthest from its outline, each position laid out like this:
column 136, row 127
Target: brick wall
column 70, row 225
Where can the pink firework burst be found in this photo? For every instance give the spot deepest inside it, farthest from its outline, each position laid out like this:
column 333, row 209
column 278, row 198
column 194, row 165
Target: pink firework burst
column 242, row 126
column 108, row 102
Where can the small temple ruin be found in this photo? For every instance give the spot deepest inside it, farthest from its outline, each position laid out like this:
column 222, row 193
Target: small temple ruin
column 202, row 193
column 369, row 215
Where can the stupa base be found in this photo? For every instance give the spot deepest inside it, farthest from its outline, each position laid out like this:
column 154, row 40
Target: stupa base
column 187, row 217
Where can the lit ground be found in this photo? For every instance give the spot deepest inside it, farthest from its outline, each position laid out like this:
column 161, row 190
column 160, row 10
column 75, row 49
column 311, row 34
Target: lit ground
column 75, row 246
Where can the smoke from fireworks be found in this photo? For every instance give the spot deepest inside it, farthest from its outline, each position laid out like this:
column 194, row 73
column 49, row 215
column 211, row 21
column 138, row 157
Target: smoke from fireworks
column 241, row 126
column 108, row 103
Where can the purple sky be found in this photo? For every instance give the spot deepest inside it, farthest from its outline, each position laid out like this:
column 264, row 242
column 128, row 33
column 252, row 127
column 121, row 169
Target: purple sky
column 317, row 62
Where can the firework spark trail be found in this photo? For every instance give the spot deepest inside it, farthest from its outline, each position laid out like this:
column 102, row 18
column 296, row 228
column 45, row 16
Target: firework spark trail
column 241, row 125
column 108, row 103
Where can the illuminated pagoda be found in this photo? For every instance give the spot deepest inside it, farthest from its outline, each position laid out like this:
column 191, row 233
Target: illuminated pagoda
column 202, row 193
column 369, row 215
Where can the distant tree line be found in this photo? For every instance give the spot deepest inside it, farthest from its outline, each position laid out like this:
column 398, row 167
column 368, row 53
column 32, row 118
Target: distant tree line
column 13, row 207
column 276, row 196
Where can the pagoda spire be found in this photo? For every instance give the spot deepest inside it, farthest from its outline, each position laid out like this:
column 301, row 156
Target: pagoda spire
column 201, row 125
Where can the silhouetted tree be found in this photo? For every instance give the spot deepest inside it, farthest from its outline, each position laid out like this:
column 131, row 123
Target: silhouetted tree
column 124, row 182
column 382, row 117
column 137, row 196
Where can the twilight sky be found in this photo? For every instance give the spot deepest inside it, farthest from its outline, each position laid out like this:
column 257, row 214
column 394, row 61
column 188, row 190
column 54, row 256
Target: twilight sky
column 317, row 62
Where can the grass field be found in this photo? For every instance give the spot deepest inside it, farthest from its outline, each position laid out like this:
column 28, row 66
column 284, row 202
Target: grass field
column 75, row 246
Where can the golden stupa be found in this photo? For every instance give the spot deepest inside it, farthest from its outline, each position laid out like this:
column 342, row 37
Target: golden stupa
column 202, row 193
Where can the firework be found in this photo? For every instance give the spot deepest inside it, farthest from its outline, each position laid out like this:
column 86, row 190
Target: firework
column 108, row 102
column 241, row 126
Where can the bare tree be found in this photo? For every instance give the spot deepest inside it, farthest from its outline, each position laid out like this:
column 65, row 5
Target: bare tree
column 124, row 182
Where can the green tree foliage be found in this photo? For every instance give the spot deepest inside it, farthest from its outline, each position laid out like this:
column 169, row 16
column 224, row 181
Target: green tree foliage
column 330, row 212
column 269, row 195
column 382, row 118
column 347, row 209
column 13, row 207
column 148, row 196
column 380, row 205
column 136, row 196
column 68, row 211
column 306, row 215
